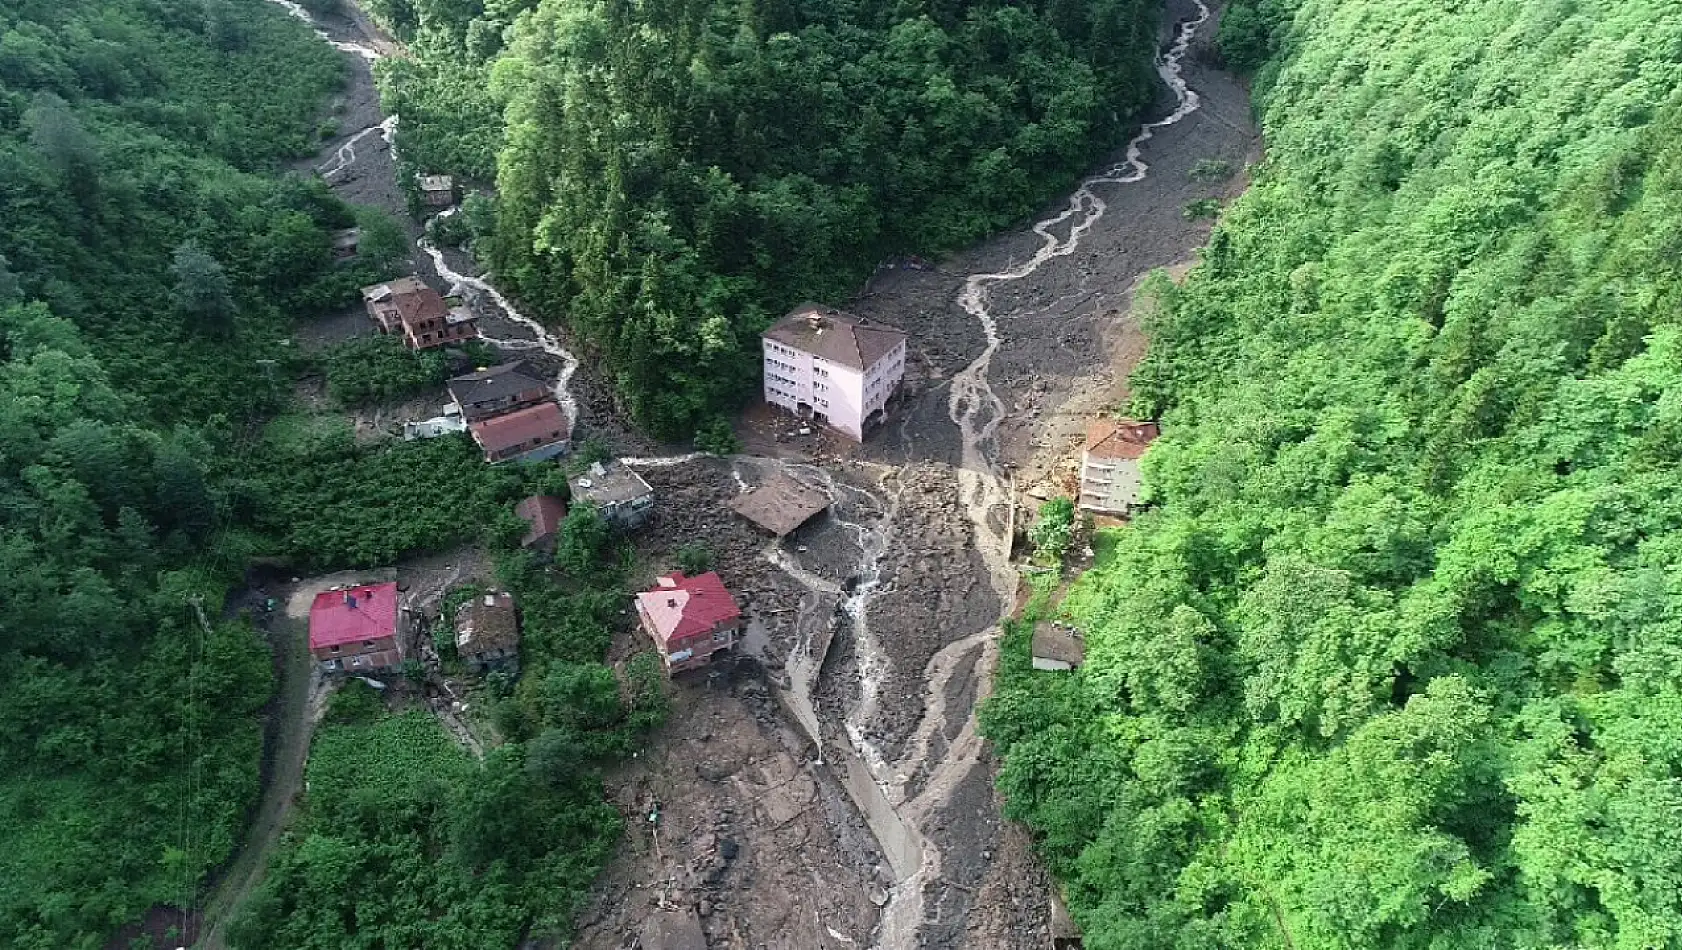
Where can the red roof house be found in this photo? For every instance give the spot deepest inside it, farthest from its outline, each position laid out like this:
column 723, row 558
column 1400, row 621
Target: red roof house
column 356, row 629
column 689, row 618
column 532, row 434
column 543, row 515
column 425, row 317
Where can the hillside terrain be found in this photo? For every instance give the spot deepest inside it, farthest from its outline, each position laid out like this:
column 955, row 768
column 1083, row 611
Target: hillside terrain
column 196, row 411
column 1391, row 662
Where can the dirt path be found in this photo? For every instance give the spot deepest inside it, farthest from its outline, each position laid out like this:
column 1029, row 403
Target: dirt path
column 298, row 702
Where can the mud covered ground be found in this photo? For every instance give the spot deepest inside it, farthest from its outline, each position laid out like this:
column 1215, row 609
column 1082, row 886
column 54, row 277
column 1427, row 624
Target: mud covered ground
column 829, row 790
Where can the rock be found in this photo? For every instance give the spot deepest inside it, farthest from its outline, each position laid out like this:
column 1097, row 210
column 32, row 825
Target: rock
column 704, row 908
column 879, row 897
column 714, row 771
column 728, row 848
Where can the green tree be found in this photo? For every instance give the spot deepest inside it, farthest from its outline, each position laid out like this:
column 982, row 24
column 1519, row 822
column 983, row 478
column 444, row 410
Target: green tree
column 202, row 290
column 1052, row 533
column 585, row 542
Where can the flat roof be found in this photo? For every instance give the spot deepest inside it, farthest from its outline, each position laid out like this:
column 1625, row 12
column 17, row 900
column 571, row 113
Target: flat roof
column 780, row 505
column 608, row 482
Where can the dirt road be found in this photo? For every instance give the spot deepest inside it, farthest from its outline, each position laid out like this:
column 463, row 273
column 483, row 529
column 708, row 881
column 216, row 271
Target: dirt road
column 291, row 720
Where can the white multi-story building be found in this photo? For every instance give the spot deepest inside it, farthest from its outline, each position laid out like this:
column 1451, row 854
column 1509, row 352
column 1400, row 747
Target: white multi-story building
column 833, row 368
column 1110, row 476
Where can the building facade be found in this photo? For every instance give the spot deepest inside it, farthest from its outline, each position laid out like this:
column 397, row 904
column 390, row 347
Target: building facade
column 1111, row 479
column 357, row 630
column 833, row 368
column 424, row 317
column 690, row 619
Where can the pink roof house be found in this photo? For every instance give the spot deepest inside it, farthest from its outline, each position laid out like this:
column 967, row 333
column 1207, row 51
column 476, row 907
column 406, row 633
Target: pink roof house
column 356, row 629
column 689, row 619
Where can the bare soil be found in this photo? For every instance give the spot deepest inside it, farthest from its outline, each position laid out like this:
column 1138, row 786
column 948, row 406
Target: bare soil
column 829, row 789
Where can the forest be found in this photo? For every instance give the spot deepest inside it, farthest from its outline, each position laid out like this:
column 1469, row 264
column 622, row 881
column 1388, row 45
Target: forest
column 150, row 259
column 673, row 176
column 1394, row 660
column 156, row 259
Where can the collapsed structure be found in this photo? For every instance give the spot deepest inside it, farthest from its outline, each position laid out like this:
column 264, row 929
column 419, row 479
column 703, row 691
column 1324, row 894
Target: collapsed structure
column 488, row 633
column 780, row 505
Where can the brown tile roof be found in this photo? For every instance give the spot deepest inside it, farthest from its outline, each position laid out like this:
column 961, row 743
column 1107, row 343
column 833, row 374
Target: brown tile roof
column 543, row 421
column 836, row 336
column 487, row 622
column 413, row 300
column 1126, row 439
column 543, row 515
column 780, row 505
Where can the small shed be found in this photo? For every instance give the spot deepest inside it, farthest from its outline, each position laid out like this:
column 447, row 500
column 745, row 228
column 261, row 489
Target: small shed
column 543, row 515
column 437, row 191
column 780, row 505
column 672, row 930
column 1065, row 933
column 346, row 244
column 1057, row 647
column 488, row 633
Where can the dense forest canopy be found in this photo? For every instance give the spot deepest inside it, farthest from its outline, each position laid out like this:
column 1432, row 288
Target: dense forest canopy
column 155, row 262
column 149, row 258
column 674, row 174
column 1396, row 660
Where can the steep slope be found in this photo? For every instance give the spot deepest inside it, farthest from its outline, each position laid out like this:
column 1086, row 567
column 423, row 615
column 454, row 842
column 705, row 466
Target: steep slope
column 674, row 175
column 1394, row 662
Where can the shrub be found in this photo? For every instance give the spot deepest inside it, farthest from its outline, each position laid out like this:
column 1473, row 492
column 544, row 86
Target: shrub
column 1053, row 532
column 1202, row 208
column 1210, row 170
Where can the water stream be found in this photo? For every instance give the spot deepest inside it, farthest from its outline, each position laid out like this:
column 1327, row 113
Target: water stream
column 880, row 788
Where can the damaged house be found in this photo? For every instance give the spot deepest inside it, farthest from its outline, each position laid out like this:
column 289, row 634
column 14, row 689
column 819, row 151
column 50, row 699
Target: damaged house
column 488, row 633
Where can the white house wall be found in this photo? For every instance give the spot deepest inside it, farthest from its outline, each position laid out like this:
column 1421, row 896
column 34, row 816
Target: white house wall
column 845, row 396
